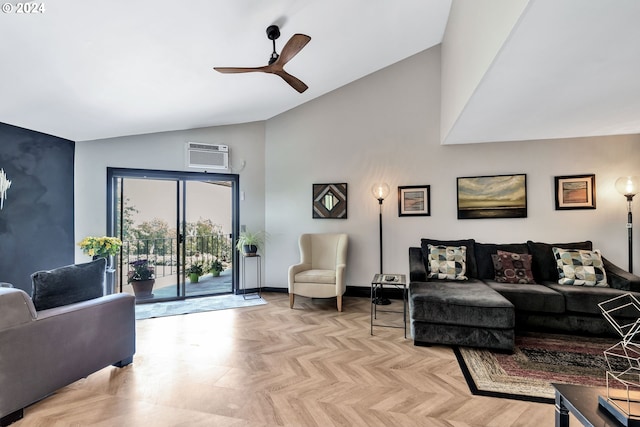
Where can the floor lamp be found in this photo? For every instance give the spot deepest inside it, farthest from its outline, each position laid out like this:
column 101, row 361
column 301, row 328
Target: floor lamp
column 628, row 187
column 380, row 192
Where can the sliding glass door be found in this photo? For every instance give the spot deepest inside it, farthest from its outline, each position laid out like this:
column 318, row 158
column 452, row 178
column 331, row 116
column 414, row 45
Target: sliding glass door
column 180, row 225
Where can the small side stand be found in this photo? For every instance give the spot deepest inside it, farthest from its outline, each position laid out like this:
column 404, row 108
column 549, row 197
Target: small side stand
column 258, row 292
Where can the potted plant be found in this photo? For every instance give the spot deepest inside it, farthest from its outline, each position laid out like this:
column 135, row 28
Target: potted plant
column 216, row 267
column 195, row 270
column 250, row 242
column 141, row 277
column 100, row 247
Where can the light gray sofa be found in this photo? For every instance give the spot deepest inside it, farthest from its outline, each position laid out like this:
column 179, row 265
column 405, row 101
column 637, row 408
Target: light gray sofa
column 42, row 351
column 482, row 312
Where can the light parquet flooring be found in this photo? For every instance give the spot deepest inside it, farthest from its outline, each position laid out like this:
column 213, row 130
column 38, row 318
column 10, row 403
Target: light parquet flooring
column 268, row 366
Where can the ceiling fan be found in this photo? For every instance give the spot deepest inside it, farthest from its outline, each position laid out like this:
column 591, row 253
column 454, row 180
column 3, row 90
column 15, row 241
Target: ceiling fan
column 277, row 62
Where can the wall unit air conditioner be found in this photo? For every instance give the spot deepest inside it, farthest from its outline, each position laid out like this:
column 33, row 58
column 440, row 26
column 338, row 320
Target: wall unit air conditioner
column 207, row 156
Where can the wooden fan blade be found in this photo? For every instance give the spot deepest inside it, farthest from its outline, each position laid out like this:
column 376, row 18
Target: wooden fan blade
column 295, row 82
column 291, row 49
column 230, row 70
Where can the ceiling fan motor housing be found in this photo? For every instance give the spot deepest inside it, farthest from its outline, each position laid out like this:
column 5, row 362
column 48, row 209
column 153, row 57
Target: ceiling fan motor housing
column 273, row 32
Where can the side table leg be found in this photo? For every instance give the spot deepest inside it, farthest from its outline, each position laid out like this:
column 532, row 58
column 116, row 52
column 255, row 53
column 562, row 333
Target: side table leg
column 562, row 413
column 371, row 302
column 404, row 309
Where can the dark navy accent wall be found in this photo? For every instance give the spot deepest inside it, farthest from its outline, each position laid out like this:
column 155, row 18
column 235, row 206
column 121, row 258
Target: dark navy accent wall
column 36, row 224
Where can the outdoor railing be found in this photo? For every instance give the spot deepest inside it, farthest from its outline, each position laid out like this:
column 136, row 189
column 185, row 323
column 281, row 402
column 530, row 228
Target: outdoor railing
column 162, row 253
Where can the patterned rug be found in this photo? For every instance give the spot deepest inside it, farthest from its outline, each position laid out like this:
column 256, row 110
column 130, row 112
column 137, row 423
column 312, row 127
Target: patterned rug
column 195, row 305
column 537, row 361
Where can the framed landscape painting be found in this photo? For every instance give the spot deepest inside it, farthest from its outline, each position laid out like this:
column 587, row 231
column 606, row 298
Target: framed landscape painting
column 495, row 196
column 414, row 200
column 575, row 192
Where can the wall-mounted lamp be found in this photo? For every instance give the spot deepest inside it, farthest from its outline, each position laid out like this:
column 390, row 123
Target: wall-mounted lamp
column 380, row 191
column 628, row 186
column 5, row 184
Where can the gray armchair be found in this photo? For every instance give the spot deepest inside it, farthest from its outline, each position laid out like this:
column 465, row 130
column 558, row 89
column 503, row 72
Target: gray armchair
column 42, row 351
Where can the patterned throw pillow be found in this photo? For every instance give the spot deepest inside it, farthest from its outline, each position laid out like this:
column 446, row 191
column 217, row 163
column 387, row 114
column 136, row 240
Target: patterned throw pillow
column 512, row 268
column 580, row 267
column 447, row 262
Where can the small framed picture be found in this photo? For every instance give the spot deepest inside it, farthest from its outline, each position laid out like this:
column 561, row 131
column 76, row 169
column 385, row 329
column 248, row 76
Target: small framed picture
column 414, row 200
column 329, row 201
column 576, row 192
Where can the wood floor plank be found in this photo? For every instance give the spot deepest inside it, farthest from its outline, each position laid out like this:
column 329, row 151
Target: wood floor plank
column 269, row 365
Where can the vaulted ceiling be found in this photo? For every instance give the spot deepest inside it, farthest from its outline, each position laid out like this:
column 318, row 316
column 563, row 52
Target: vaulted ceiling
column 87, row 70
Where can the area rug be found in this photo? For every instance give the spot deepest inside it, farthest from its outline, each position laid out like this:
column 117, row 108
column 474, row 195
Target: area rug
column 537, row 361
column 195, row 305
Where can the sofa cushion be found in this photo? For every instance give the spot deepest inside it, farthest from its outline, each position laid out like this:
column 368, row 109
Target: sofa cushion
column 585, row 299
column 447, row 262
column 580, row 268
column 530, row 297
column 512, row 267
column 470, row 261
column 483, row 252
column 470, row 303
column 316, row 276
column 543, row 263
column 68, row 285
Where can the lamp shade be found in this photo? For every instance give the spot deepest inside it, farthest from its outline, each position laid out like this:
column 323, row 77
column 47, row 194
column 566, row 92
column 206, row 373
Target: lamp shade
column 380, row 191
column 628, row 185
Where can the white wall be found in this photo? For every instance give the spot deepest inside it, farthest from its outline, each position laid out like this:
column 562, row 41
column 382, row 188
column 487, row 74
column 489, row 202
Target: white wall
column 386, row 127
column 165, row 151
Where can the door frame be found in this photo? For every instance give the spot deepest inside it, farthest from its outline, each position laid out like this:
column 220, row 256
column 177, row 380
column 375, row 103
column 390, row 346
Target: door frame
column 115, row 173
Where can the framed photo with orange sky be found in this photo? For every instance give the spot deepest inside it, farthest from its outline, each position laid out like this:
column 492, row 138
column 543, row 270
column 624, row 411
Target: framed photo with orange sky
column 576, row 192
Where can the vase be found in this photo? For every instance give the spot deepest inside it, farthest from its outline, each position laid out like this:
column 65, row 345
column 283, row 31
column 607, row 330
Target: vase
column 110, row 277
column 194, row 277
column 249, row 250
column 143, row 288
column 215, row 273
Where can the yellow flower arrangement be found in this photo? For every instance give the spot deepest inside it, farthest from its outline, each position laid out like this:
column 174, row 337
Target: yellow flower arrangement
column 100, row 246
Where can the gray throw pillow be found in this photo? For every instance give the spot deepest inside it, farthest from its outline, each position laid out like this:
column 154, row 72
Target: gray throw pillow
column 68, row 285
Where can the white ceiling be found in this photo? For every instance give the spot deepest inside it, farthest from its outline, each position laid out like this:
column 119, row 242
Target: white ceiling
column 86, row 70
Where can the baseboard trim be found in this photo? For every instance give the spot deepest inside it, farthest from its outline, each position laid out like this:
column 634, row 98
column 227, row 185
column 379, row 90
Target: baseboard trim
column 352, row 291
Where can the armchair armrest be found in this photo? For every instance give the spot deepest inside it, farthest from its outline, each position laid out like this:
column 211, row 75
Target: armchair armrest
column 417, row 270
column 619, row 278
column 295, row 269
column 16, row 308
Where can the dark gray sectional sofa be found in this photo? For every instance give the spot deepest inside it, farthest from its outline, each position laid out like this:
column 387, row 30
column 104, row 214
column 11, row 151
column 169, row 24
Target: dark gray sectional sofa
column 482, row 312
